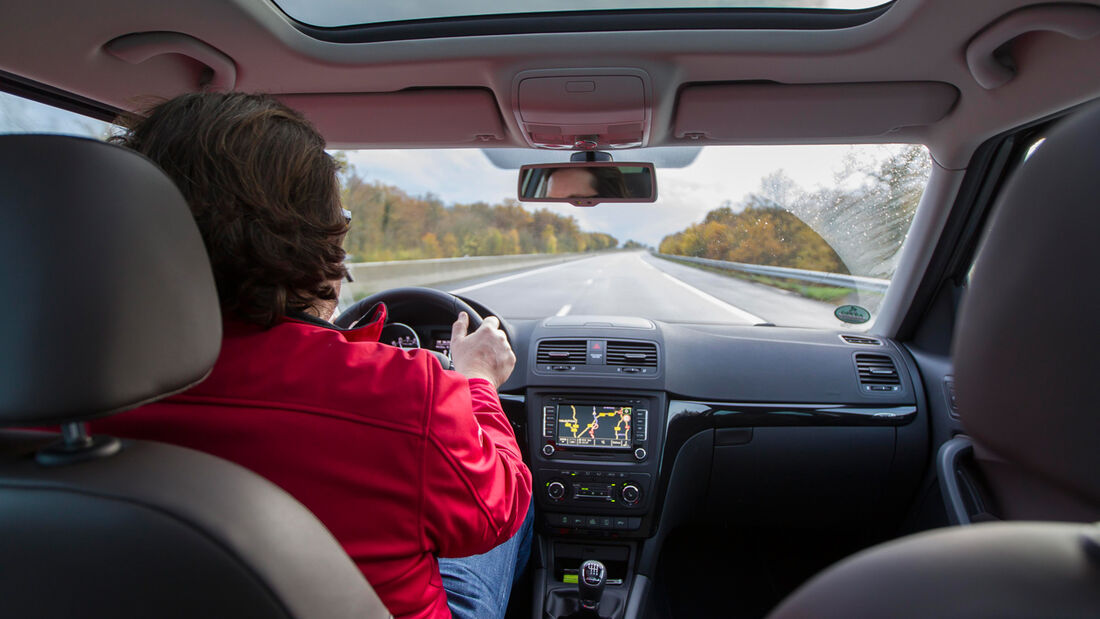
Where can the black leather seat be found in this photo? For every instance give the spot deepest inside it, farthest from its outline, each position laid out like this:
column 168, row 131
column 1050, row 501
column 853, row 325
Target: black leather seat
column 1025, row 364
column 1025, row 347
column 110, row 304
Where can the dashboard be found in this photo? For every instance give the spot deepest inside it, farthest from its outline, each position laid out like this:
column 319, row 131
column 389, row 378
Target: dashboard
column 633, row 428
column 431, row 337
column 623, row 418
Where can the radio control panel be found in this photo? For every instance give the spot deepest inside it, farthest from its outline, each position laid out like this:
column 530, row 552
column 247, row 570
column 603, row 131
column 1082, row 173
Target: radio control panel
column 609, row 490
column 595, row 458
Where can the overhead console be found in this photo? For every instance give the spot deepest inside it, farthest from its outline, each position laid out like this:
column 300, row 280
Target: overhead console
column 583, row 108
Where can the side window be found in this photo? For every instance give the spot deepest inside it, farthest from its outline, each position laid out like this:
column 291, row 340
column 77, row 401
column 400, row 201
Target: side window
column 19, row 115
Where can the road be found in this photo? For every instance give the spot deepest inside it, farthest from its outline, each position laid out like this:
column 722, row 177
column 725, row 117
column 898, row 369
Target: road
column 637, row 284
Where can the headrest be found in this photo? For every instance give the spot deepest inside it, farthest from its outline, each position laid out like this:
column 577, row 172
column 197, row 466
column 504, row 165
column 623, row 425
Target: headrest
column 1026, row 341
column 109, row 297
column 1009, row 570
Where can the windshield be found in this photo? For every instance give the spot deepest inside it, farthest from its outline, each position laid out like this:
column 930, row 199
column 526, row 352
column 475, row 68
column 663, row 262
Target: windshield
column 805, row 236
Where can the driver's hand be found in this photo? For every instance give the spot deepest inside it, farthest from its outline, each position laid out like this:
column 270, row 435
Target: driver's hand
column 485, row 353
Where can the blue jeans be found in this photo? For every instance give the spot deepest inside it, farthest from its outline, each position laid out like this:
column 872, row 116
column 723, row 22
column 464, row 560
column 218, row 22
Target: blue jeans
column 478, row 586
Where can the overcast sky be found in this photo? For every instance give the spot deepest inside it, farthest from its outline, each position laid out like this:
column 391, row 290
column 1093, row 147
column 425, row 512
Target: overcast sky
column 466, row 175
column 684, row 195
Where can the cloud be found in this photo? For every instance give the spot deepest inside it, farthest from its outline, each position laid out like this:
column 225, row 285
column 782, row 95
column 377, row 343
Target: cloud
column 685, row 195
column 718, row 174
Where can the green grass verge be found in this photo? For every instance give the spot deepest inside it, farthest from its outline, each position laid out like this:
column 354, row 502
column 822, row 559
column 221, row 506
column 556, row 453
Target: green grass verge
column 817, row 292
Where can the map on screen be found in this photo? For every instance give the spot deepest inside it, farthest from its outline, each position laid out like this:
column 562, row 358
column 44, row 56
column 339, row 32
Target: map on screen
column 594, row 426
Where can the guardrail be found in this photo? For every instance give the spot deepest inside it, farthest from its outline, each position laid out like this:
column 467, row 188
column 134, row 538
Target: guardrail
column 371, row 277
column 870, row 284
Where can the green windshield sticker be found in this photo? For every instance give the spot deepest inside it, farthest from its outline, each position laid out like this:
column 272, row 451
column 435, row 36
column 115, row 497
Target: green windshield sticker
column 852, row 314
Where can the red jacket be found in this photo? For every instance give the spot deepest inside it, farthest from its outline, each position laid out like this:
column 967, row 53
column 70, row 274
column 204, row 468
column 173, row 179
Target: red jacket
column 401, row 460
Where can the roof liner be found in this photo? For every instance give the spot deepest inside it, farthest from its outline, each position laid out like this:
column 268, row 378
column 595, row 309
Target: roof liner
column 913, row 41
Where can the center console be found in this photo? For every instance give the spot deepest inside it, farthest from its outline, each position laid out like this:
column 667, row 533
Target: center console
column 596, row 406
column 595, row 461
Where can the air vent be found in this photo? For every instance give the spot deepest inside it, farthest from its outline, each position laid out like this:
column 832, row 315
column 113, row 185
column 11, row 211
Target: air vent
column 877, row 373
column 564, row 352
column 860, row 340
column 633, row 354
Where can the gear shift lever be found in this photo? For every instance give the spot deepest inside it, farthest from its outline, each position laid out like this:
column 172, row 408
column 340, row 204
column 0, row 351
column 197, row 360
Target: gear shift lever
column 590, row 585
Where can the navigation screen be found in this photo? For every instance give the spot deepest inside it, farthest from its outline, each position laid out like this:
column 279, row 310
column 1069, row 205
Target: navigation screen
column 594, row 426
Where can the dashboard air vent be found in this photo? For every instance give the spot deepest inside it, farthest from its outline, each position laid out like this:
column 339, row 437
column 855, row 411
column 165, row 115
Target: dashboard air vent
column 566, row 352
column 877, row 373
column 861, row 340
column 635, row 354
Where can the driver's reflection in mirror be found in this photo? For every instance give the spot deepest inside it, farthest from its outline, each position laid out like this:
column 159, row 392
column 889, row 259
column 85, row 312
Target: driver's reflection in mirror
column 414, row 469
column 601, row 182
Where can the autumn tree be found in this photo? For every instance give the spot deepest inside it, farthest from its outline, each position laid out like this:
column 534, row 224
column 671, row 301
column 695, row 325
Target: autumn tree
column 389, row 224
column 858, row 226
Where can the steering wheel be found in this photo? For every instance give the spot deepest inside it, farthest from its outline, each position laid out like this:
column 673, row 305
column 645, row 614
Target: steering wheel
column 412, row 295
column 397, row 297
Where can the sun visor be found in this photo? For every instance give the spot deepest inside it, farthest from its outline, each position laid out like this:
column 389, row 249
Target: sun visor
column 738, row 113
column 423, row 117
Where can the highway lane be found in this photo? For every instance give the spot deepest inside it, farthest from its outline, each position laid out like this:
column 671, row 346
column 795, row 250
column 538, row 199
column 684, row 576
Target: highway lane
column 637, row 284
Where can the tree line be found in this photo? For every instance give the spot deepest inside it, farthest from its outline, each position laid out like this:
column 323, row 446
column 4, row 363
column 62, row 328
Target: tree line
column 857, row 226
column 389, row 224
column 758, row 234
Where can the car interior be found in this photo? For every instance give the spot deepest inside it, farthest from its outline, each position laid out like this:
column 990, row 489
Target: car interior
column 942, row 460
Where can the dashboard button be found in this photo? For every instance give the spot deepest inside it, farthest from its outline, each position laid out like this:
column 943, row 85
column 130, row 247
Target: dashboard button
column 619, row 523
column 639, row 453
column 548, row 450
column 631, row 494
column 555, row 490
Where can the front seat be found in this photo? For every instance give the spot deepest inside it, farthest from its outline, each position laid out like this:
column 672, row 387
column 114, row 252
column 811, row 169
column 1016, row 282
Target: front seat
column 111, row 304
column 1025, row 364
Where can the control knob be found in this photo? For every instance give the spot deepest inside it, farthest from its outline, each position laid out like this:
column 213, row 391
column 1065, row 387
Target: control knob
column 555, row 490
column 631, row 494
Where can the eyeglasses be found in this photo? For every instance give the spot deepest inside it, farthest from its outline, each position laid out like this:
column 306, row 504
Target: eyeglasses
column 347, row 221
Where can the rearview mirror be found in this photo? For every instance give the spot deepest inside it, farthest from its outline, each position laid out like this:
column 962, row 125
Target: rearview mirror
column 588, row 183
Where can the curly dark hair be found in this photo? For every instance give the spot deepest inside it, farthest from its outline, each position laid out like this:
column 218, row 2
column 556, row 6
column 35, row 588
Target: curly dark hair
column 264, row 194
column 610, row 182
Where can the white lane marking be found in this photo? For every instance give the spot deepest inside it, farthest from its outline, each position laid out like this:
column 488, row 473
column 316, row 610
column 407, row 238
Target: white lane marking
column 508, row 278
column 736, row 311
column 564, row 310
